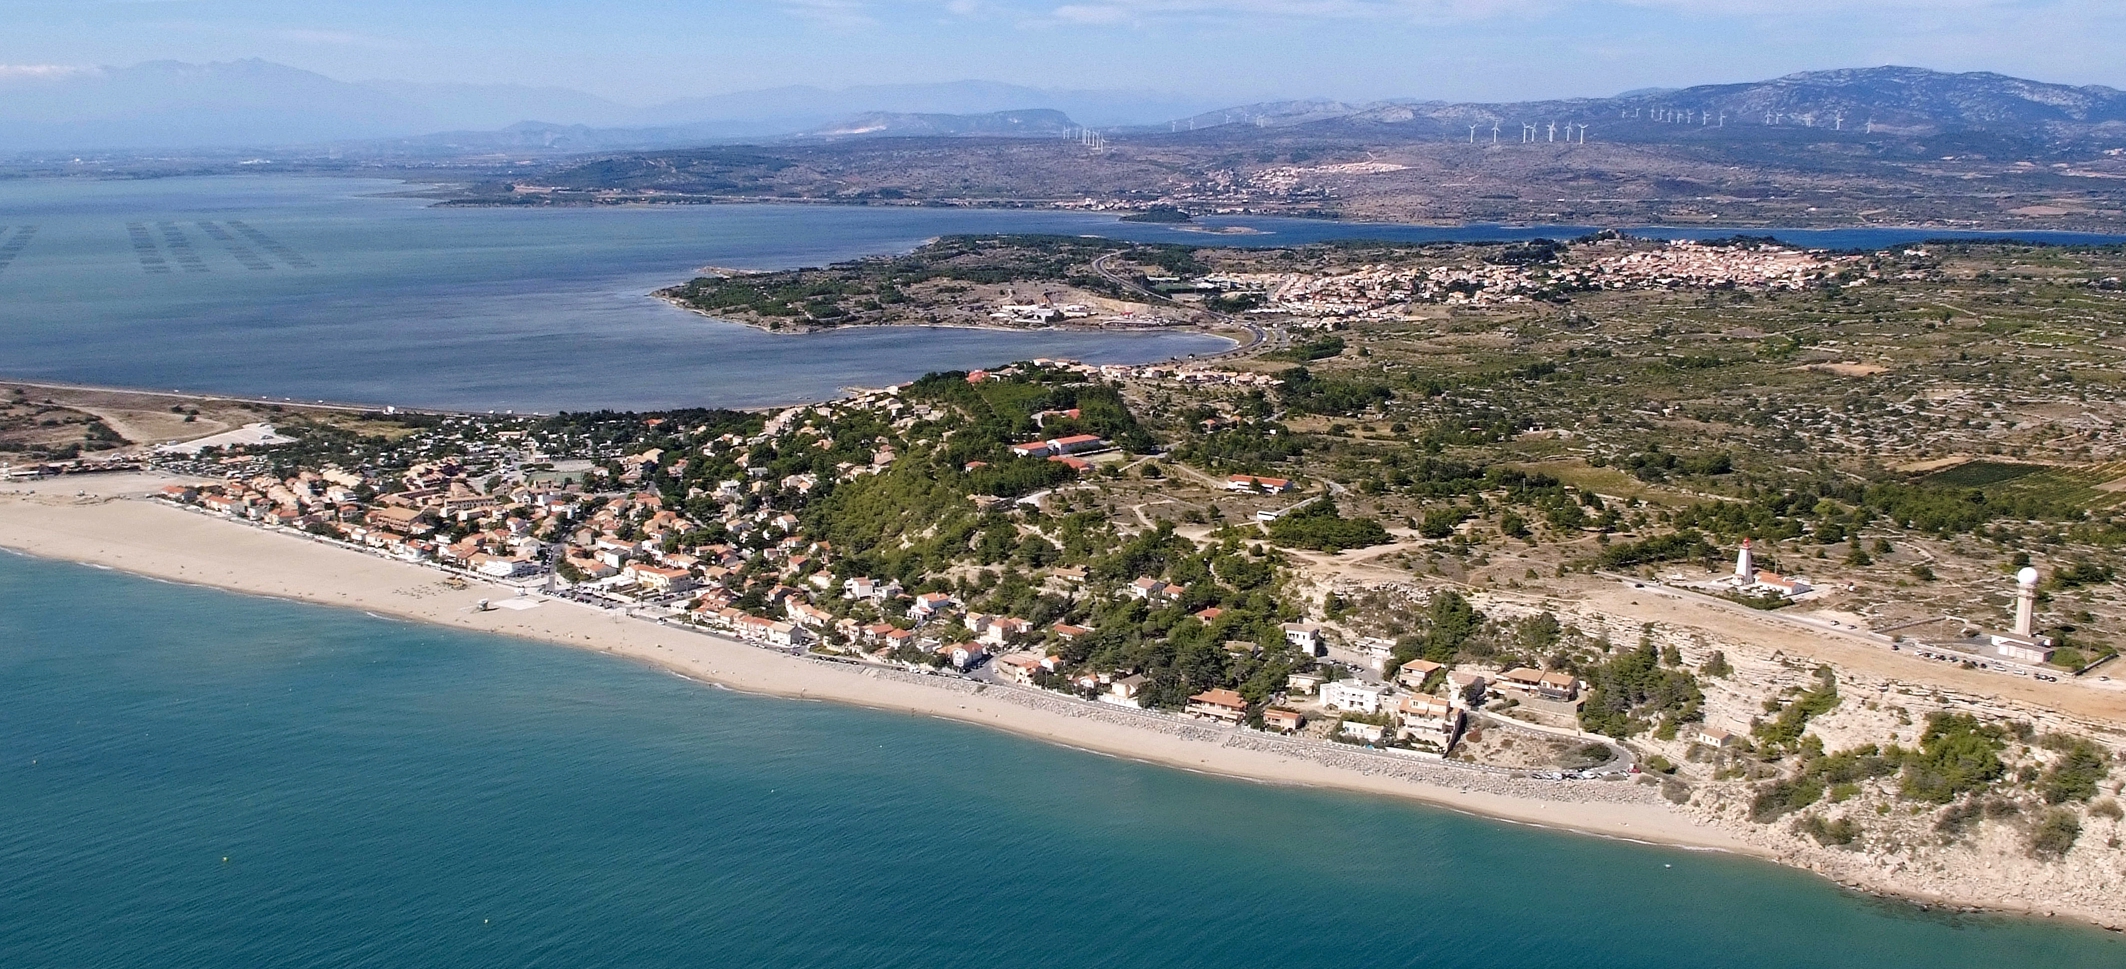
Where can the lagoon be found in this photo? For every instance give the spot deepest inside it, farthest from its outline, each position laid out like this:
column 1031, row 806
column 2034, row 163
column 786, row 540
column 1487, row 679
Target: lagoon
column 349, row 289
column 342, row 290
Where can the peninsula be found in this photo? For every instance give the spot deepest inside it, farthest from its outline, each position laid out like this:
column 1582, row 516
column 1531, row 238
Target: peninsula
column 1708, row 544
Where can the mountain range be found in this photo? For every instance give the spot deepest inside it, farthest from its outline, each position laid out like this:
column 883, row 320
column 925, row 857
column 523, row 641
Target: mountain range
column 260, row 104
column 1885, row 100
column 255, row 104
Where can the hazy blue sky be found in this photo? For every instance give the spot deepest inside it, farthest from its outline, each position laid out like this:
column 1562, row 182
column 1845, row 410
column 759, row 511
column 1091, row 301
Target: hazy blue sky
column 641, row 51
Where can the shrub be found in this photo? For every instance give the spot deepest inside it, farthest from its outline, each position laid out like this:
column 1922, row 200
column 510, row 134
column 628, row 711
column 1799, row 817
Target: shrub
column 1794, row 718
column 2074, row 777
column 1783, row 797
column 1956, row 755
column 1318, row 526
column 2055, row 834
column 1840, row 832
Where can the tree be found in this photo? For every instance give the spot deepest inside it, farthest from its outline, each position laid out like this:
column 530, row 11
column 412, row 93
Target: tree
column 1956, row 755
column 1626, row 693
column 2073, row 777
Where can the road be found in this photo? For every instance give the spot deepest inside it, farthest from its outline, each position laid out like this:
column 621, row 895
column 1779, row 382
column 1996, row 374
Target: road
column 1257, row 335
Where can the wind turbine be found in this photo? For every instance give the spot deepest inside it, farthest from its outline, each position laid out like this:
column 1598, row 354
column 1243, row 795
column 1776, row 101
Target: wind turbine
column 1494, row 132
column 1472, row 134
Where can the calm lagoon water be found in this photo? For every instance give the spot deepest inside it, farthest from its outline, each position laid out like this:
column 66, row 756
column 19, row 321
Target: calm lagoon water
column 319, row 288
column 190, row 778
column 327, row 288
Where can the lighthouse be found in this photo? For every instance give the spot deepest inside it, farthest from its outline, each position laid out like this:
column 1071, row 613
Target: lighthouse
column 1745, row 565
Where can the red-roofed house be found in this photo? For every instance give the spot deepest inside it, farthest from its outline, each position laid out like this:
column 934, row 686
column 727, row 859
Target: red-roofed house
column 1219, row 704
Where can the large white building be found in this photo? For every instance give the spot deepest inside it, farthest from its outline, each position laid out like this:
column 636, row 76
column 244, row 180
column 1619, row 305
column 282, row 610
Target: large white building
column 1351, row 695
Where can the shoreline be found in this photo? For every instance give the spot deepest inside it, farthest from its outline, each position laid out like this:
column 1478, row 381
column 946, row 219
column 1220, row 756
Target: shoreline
column 1004, row 205
column 800, row 331
column 106, row 522
column 157, row 541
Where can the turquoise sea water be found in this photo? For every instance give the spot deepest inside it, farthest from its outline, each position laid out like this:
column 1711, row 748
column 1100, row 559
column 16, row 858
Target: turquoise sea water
column 190, row 778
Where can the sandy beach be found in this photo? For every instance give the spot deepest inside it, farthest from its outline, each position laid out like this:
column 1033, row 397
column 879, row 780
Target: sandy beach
column 104, row 521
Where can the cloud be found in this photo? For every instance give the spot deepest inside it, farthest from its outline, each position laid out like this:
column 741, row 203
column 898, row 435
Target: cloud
column 837, row 14
column 12, row 72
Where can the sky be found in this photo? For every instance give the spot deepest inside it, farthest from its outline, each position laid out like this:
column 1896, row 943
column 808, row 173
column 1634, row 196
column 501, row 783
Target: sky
column 641, row 52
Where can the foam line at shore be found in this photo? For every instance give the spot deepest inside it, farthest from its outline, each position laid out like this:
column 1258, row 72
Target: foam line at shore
column 122, row 532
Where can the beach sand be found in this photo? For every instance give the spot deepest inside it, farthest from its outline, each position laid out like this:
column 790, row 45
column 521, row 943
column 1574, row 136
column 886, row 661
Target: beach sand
column 112, row 525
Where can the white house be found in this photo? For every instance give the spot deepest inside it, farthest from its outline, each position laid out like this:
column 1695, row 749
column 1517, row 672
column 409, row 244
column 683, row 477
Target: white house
column 657, row 578
column 1369, row 732
column 1429, row 719
column 1351, row 695
column 871, row 589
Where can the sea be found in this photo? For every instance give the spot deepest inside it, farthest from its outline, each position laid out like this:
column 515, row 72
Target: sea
column 356, row 290
column 195, row 778
column 192, row 778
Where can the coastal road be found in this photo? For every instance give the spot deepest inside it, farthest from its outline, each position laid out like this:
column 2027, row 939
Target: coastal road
column 1256, row 333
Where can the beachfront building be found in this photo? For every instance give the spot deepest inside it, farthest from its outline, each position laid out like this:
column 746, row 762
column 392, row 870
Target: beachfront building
column 1283, row 720
column 963, row 656
column 1018, row 667
column 1221, row 704
column 1428, row 721
column 1351, row 695
column 1363, row 730
column 657, row 579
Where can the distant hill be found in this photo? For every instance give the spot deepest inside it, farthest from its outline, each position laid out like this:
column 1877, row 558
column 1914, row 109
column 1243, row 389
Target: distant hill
column 1040, row 123
column 493, row 106
column 800, row 109
column 255, row 104
column 169, row 104
column 1880, row 100
column 260, row 104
